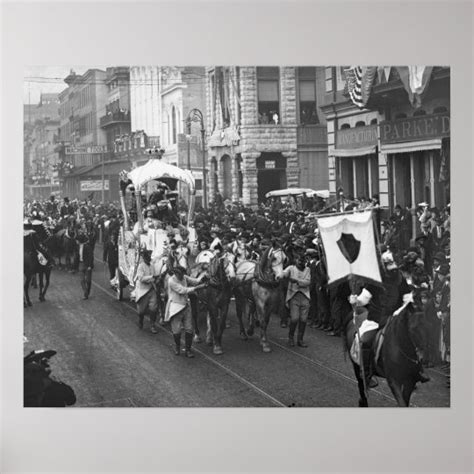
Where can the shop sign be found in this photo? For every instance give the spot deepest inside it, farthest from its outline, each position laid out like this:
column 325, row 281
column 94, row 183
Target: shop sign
column 84, row 150
column 270, row 164
column 357, row 137
column 94, row 185
column 415, row 129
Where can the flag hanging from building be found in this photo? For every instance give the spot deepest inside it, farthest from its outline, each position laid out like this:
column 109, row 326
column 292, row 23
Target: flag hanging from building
column 415, row 79
column 359, row 81
column 445, row 162
column 349, row 247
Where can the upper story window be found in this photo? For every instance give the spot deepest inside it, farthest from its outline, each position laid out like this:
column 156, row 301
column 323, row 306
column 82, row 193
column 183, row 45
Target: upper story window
column 341, row 77
column 307, row 95
column 419, row 113
column 268, row 93
column 328, row 79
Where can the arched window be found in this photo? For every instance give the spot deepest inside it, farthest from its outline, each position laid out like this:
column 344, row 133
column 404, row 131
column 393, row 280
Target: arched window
column 418, row 113
column 173, row 125
column 440, row 110
column 345, row 126
column 360, row 124
column 374, row 121
column 400, row 116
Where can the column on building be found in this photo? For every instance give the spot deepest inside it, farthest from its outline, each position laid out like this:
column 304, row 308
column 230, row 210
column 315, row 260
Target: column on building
column 250, row 183
column 292, row 168
column 213, row 185
column 235, row 178
column 331, row 159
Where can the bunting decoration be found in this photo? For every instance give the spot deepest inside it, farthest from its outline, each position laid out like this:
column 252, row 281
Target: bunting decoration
column 359, row 81
column 415, row 79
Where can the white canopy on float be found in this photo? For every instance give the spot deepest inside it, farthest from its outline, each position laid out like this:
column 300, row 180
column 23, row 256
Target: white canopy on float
column 298, row 192
column 157, row 169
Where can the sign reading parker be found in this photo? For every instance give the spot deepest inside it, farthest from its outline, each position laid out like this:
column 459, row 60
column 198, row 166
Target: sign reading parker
column 415, row 128
column 349, row 245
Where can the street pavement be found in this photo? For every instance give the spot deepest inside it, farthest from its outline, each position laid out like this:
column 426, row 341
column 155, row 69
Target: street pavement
column 110, row 362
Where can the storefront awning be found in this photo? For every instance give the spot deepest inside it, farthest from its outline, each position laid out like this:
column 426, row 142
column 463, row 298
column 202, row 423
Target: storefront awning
column 348, row 152
column 410, row 147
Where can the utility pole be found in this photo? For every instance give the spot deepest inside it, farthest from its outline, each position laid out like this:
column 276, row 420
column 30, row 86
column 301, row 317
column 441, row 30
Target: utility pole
column 195, row 115
column 103, row 179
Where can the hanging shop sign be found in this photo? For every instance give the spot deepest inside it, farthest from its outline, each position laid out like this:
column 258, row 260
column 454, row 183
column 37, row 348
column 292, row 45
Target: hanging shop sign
column 94, row 185
column 411, row 129
column 356, row 141
column 85, row 150
column 357, row 137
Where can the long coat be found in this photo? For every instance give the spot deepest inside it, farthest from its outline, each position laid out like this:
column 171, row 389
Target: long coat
column 178, row 291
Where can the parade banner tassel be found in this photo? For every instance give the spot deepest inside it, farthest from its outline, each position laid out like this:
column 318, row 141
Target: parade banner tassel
column 349, row 246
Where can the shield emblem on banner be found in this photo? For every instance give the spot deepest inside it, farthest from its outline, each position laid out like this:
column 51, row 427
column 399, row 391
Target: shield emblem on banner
column 349, row 247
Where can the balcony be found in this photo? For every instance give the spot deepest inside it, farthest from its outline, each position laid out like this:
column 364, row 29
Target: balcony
column 114, row 117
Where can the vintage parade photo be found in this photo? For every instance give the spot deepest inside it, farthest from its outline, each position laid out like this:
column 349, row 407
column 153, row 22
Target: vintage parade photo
column 236, row 236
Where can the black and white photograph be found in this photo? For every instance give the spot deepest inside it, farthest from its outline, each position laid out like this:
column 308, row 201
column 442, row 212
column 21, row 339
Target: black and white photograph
column 237, row 236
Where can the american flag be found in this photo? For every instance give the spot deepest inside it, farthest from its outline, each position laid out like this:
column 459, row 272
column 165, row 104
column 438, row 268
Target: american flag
column 359, row 80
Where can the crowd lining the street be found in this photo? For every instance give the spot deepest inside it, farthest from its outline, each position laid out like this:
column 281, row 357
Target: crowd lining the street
column 246, row 232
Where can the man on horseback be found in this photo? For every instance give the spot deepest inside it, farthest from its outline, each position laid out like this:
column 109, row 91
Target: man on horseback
column 381, row 306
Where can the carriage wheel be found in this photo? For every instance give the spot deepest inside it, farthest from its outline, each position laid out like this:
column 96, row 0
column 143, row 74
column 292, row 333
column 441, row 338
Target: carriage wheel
column 119, row 289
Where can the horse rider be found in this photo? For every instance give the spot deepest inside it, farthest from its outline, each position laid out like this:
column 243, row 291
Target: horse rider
column 298, row 298
column 85, row 260
column 145, row 291
column 381, row 306
column 178, row 310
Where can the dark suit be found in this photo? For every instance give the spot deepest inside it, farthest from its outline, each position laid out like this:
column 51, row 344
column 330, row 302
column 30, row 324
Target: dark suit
column 86, row 264
column 111, row 256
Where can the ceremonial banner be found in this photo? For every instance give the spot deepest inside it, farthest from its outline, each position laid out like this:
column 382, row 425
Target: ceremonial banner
column 349, row 245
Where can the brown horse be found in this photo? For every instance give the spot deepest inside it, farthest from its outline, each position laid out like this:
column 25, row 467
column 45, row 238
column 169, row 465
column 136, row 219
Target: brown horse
column 404, row 338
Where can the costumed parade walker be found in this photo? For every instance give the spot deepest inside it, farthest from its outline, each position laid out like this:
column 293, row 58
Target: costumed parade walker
column 142, row 183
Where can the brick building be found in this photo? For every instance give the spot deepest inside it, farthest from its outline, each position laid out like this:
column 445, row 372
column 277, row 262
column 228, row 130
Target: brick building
column 265, row 131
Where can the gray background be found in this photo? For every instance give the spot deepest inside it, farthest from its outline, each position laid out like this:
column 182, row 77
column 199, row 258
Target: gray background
column 224, row 440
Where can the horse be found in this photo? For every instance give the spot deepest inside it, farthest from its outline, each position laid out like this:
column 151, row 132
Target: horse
column 33, row 266
column 261, row 294
column 404, row 337
column 216, row 296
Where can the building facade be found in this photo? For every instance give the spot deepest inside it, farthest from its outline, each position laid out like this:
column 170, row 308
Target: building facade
column 390, row 150
column 40, row 141
column 82, row 104
column 265, row 131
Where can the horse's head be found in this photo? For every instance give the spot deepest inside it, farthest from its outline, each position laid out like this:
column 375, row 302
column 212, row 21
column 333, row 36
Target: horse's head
column 277, row 260
column 181, row 256
column 228, row 265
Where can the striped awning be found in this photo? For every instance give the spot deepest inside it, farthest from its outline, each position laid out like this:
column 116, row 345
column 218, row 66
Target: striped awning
column 410, row 147
column 348, row 152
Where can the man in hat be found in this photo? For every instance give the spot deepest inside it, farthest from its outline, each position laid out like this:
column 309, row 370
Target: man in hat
column 396, row 292
column 178, row 310
column 66, row 209
column 145, row 291
column 85, row 259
